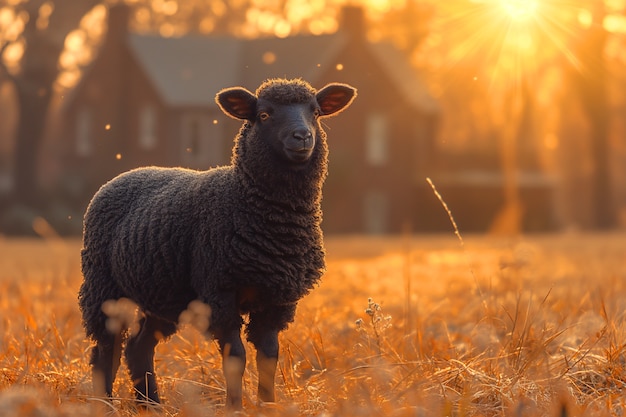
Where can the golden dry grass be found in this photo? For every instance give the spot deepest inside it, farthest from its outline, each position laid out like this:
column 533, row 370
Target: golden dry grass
column 530, row 326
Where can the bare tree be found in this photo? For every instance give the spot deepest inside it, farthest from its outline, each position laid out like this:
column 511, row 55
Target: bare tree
column 48, row 23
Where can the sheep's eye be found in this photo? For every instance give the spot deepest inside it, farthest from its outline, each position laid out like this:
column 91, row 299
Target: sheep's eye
column 317, row 113
column 263, row 116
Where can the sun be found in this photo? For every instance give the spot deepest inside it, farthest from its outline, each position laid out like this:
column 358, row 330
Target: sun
column 519, row 10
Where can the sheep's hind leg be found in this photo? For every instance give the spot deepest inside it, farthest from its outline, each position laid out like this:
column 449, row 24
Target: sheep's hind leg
column 226, row 328
column 105, row 361
column 266, row 361
column 140, row 357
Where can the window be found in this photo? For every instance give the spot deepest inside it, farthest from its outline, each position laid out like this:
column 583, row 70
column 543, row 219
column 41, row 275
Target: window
column 201, row 141
column 376, row 212
column 376, row 145
column 84, row 132
column 148, row 127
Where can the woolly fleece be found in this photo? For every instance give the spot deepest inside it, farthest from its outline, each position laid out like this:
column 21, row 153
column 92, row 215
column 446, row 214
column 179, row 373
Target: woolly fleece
column 166, row 236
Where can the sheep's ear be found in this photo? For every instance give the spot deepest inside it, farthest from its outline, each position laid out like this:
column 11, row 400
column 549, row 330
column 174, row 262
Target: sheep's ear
column 237, row 102
column 335, row 97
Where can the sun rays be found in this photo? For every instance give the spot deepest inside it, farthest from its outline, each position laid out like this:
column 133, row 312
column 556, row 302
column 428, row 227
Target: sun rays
column 519, row 10
column 506, row 41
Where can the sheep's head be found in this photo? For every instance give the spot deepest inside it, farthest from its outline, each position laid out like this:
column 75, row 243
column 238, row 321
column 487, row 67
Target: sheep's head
column 286, row 113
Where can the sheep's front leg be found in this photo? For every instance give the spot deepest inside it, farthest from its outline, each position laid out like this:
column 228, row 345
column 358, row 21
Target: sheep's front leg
column 266, row 361
column 263, row 332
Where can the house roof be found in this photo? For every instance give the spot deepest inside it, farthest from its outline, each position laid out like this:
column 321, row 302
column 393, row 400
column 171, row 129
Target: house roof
column 190, row 70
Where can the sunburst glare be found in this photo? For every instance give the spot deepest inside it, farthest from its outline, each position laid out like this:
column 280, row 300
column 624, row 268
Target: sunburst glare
column 519, row 9
column 506, row 39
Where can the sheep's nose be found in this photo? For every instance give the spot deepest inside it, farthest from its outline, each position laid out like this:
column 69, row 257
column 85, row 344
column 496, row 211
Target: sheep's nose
column 302, row 134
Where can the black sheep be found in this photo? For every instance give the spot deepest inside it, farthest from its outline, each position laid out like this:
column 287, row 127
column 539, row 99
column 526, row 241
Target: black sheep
column 243, row 239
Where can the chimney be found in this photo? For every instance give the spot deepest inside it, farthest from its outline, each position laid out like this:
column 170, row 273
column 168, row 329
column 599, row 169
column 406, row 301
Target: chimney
column 117, row 23
column 352, row 21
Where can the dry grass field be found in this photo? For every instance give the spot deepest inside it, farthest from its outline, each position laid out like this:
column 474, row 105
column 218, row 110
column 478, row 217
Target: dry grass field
column 529, row 326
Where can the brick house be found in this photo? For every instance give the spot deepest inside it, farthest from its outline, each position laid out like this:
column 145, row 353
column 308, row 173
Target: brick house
column 149, row 100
